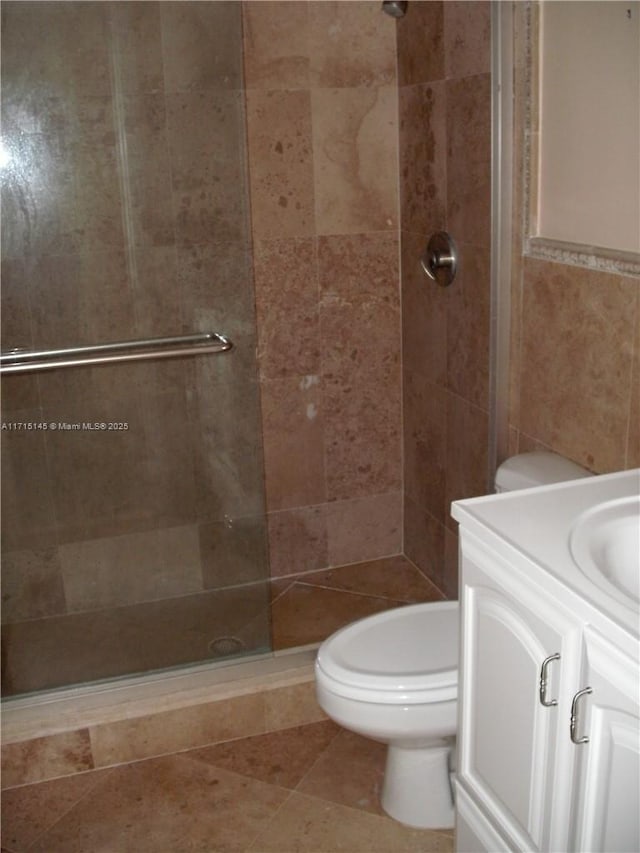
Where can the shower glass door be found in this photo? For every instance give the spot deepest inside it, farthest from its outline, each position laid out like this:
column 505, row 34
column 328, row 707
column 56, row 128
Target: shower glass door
column 133, row 525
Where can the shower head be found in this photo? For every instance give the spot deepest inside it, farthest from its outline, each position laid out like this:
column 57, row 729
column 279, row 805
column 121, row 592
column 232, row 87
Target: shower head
column 395, row 8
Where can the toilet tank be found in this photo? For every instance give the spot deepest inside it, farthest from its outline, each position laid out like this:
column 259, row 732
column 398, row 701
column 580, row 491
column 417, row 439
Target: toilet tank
column 537, row 468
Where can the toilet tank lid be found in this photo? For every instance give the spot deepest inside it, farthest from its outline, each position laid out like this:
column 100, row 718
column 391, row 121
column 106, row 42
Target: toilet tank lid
column 536, row 468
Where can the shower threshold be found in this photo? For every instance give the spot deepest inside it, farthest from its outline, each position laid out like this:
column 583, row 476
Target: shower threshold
column 65, row 709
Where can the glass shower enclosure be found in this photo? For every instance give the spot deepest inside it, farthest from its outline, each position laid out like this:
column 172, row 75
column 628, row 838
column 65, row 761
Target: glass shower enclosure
column 133, row 522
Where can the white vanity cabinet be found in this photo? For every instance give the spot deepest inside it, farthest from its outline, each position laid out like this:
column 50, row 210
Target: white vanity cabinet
column 607, row 789
column 549, row 735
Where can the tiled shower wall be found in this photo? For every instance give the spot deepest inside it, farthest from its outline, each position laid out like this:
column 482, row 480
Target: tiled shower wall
column 445, row 138
column 323, row 160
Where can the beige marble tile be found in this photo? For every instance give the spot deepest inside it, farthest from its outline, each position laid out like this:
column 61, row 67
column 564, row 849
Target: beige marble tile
column 75, row 648
column 46, row 758
column 424, row 541
column 233, row 552
column 31, row 585
column 209, row 193
column 157, row 299
column 286, row 284
column 307, row 825
column 468, row 159
column 42, row 34
column 201, row 46
column 364, row 528
column 97, row 173
column 297, row 705
column 350, row 772
column 424, row 319
column 227, row 453
column 360, row 327
column 355, row 149
column 215, row 285
column 391, row 577
column 104, row 497
column 425, row 443
column 467, row 449
column 578, row 329
column 297, row 540
column 167, row 804
column 276, row 44
column 127, row 569
column 31, row 810
column 421, row 44
column 359, row 300
column 280, row 758
column 137, row 45
column 28, row 517
column 633, row 439
column 423, row 158
column 171, row 731
column 15, row 320
column 468, row 329
column 280, row 163
column 18, row 392
column 467, row 38
column 350, row 45
column 309, row 614
column 81, row 299
column 38, row 204
column 148, row 173
column 293, row 431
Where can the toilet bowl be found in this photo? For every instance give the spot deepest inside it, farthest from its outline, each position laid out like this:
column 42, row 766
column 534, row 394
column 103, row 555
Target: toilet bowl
column 393, row 677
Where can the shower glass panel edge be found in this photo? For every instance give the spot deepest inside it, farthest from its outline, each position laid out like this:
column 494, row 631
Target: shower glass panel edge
column 501, row 231
column 140, row 546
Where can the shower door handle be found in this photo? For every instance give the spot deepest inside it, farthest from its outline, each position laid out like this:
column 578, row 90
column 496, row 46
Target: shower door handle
column 25, row 361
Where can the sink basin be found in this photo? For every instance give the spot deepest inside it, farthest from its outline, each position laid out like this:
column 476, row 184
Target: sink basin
column 605, row 545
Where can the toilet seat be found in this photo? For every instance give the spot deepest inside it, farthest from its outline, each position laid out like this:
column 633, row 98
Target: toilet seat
column 408, row 655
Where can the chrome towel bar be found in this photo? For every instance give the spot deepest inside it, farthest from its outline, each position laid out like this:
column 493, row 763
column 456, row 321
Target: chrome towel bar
column 23, row 361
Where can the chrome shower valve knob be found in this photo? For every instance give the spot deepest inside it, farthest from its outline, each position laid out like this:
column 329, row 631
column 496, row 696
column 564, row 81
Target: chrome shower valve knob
column 440, row 258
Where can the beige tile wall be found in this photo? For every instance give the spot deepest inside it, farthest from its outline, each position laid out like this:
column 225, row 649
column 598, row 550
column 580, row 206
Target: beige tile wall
column 575, row 341
column 323, row 145
column 444, row 63
column 577, row 373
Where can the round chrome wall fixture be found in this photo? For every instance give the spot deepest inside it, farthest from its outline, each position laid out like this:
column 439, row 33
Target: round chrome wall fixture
column 440, row 259
column 395, row 8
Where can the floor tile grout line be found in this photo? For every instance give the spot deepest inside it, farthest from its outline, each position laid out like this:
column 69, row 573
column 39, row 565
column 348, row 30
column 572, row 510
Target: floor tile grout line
column 250, row 848
column 350, row 592
column 317, row 759
column 107, row 772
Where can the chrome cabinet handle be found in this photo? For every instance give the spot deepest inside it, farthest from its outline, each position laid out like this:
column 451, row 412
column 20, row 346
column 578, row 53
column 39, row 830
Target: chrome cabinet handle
column 573, row 725
column 548, row 703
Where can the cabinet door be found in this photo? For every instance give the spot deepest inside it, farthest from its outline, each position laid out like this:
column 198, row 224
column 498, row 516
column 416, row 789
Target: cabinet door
column 607, row 786
column 508, row 738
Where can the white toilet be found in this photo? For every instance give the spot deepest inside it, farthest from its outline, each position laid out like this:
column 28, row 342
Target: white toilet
column 393, row 677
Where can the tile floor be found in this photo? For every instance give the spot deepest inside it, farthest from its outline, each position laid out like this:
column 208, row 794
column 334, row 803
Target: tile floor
column 310, row 789
column 307, row 608
column 314, row 788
